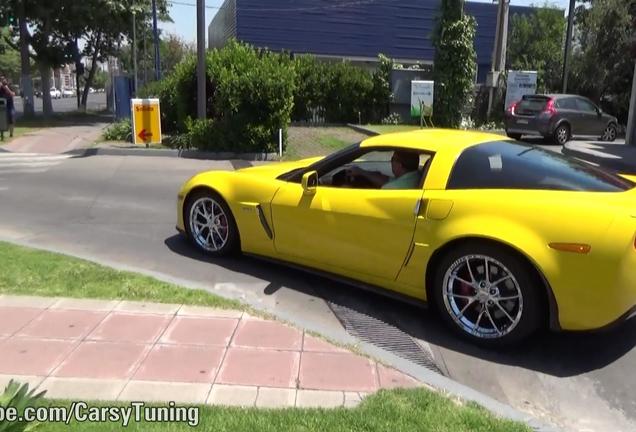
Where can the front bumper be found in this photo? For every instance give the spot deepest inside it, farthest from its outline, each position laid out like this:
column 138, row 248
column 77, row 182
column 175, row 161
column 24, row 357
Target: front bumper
column 180, row 223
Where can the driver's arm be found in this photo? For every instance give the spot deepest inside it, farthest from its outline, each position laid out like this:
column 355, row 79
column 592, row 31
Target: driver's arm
column 375, row 177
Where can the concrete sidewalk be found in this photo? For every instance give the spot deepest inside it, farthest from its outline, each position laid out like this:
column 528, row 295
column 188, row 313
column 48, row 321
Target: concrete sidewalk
column 120, row 350
column 616, row 156
column 58, row 139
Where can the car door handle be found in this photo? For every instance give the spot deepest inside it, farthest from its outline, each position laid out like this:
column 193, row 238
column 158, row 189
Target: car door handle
column 419, row 206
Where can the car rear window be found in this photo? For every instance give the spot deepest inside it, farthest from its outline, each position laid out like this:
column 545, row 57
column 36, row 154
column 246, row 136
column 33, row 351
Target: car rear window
column 509, row 165
column 531, row 105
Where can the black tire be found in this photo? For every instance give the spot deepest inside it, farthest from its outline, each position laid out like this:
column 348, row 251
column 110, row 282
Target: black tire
column 561, row 134
column 232, row 243
column 610, row 133
column 514, row 136
column 528, row 313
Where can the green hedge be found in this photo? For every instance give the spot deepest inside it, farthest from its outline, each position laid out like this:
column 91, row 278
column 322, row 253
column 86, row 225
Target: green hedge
column 342, row 92
column 251, row 94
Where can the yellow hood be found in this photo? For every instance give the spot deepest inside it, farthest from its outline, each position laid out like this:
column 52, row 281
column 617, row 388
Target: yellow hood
column 274, row 169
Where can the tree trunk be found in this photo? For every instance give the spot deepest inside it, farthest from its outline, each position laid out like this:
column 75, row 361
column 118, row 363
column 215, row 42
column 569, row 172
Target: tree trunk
column 26, row 84
column 91, row 73
column 47, row 106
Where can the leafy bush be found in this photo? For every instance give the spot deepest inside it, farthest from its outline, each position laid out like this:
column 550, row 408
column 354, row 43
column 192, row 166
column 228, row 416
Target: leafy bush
column 253, row 98
column 347, row 93
column 455, row 64
column 342, row 92
column 249, row 96
column 20, row 397
column 311, row 80
column 120, row 131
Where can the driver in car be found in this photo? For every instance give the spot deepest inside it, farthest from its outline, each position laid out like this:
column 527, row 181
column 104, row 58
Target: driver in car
column 404, row 165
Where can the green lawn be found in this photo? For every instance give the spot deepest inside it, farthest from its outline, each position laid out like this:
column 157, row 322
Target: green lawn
column 304, row 142
column 401, row 410
column 382, row 129
column 18, row 131
column 28, row 271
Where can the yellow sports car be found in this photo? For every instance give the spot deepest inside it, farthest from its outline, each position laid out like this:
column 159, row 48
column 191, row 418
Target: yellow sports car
column 501, row 237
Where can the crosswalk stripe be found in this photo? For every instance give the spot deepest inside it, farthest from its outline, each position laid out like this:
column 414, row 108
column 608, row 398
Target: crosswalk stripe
column 29, row 162
column 32, row 158
column 24, row 170
column 26, row 164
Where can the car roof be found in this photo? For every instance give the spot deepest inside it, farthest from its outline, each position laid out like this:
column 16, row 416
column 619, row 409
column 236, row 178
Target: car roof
column 556, row 95
column 433, row 140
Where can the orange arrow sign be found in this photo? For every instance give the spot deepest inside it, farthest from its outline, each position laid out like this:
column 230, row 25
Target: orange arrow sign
column 144, row 135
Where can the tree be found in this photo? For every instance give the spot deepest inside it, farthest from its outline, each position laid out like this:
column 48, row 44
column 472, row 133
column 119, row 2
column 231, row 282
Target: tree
column 65, row 31
column 535, row 42
column 173, row 50
column 455, row 63
column 9, row 60
column 601, row 66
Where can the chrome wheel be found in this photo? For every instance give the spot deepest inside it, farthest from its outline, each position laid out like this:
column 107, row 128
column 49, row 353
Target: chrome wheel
column 482, row 296
column 562, row 134
column 609, row 134
column 209, row 225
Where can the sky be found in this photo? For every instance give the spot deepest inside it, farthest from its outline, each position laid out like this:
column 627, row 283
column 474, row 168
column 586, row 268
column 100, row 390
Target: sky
column 185, row 17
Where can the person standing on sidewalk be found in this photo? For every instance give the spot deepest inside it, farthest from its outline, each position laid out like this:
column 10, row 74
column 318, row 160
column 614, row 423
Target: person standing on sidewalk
column 8, row 94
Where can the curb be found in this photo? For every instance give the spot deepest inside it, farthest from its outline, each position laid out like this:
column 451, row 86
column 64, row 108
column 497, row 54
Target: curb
column 444, row 385
column 362, row 129
column 612, row 162
column 187, row 154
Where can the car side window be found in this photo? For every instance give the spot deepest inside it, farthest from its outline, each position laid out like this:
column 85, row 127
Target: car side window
column 567, row 103
column 388, row 168
column 585, row 106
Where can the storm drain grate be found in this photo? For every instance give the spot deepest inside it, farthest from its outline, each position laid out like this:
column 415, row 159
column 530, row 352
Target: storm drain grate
column 385, row 336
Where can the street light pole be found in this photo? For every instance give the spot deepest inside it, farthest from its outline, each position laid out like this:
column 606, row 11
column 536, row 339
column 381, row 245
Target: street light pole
column 156, row 36
column 499, row 51
column 134, row 49
column 630, row 136
column 201, row 95
column 568, row 44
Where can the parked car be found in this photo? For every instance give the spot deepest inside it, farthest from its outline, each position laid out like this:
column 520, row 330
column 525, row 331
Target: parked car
column 559, row 117
column 473, row 237
column 68, row 93
column 55, row 93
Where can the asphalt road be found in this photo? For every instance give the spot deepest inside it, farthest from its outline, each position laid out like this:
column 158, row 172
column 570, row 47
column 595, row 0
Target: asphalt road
column 121, row 210
column 95, row 102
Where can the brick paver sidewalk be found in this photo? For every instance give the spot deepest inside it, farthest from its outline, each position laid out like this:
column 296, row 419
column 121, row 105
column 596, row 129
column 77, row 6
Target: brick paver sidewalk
column 56, row 139
column 120, row 350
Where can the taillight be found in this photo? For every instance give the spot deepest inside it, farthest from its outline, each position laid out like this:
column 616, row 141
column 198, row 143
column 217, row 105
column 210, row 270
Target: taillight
column 512, row 108
column 549, row 108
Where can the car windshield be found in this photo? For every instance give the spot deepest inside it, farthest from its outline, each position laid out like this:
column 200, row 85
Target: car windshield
column 509, row 165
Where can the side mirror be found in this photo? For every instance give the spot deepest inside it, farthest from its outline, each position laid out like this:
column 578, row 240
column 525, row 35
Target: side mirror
column 310, row 182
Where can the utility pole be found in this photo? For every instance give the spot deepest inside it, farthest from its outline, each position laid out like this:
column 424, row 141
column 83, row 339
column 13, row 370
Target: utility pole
column 630, row 136
column 145, row 58
column 499, row 52
column 156, row 36
column 568, row 44
column 134, row 50
column 26, row 83
column 201, row 99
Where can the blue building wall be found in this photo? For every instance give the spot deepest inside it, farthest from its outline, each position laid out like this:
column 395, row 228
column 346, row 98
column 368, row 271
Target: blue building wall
column 398, row 29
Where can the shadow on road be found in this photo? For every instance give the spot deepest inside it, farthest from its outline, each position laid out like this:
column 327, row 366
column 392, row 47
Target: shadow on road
column 557, row 354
